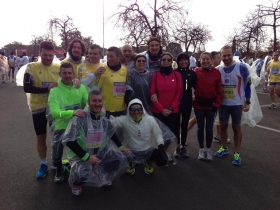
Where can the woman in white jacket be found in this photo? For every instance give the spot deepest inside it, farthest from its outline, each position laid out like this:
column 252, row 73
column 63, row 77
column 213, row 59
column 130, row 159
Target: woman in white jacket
column 142, row 135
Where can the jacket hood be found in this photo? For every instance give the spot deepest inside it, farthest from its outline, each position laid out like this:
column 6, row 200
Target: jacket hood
column 183, row 56
column 135, row 101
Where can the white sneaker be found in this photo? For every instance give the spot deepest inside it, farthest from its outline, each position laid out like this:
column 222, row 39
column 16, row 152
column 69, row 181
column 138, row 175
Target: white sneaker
column 209, row 155
column 76, row 190
column 201, row 154
column 169, row 157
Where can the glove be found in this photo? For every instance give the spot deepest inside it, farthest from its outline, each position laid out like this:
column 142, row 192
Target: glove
column 161, row 149
column 214, row 110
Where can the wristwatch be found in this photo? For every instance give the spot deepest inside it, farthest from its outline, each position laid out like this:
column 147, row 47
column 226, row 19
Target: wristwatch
column 247, row 102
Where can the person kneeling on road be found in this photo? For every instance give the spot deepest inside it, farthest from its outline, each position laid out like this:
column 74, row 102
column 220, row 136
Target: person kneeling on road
column 142, row 136
column 95, row 160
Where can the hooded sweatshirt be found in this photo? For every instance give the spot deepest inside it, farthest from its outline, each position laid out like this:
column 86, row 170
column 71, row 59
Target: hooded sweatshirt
column 150, row 133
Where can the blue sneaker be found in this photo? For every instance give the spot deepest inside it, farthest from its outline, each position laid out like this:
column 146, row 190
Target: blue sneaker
column 221, row 152
column 236, row 159
column 42, row 171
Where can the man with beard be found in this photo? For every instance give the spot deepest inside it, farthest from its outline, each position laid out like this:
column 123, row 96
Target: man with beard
column 112, row 83
column 39, row 78
column 153, row 55
column 236, row 99
column 76, row 50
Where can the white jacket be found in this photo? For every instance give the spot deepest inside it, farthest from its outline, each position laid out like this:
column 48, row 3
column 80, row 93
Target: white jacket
column 150, row 133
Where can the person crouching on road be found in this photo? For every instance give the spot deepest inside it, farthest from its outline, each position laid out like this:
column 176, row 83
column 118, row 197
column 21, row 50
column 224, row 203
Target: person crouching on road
column 142, row 136
column 95, row 159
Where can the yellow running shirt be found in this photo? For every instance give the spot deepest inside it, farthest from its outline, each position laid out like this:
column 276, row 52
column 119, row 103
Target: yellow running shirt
column 42, row 76
column 274, row 67
column 86, row 68
column 113, row 85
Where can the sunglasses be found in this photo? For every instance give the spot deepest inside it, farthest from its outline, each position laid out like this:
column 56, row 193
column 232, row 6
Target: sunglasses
column 139, row 61
column 136, row 109
column 164, row 59
column 127, row 51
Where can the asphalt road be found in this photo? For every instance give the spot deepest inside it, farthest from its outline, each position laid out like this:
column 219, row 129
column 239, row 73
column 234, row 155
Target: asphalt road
column 191, row 184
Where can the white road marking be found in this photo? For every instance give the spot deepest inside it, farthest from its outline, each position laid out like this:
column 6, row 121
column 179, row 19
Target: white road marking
column 267, row 128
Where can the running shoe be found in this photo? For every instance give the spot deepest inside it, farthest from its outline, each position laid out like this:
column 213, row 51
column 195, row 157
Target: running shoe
column 178, row 152
column 109, row 184
column 4, row 82
column 201, row 154
column 221, row 152
column 43, row 170
column 148, row 167
column 217, row 139
column 184, row 152
column 59, row 175
column 53, row 166
column 65, row 161
column 265, row 90
column 76, row 190
column 272, row 106
column 131, row 169
column 169, row 157
column 236, row 159
column 208, row 155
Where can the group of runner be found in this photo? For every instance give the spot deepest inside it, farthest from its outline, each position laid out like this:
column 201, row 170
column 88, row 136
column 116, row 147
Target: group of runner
column 108, row 116
column 9, row 64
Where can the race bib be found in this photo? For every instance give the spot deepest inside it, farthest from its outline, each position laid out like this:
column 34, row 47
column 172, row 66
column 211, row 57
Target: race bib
column 119, row 89
column 229, row 92
column 274, row 71
column 94, row 138
column 46, row 84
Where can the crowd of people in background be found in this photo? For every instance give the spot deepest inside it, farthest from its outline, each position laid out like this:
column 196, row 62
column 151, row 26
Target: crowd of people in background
column 130, row 109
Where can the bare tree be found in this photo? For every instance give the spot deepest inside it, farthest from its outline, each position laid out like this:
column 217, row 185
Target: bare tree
column 65, row 27
column 137, row 34
column 252, row 33
column 158, row 23
column 189, row 34
column 268, row 16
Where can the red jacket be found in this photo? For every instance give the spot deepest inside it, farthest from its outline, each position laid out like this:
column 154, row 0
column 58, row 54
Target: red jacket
column 168, row 90
column 208, row 85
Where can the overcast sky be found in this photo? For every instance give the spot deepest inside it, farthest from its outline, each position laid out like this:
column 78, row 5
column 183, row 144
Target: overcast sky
column 27, row 18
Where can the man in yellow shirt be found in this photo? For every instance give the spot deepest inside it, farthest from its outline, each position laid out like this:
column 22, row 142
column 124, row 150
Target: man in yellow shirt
column 39, row 78
column 76, row 50
column 273, row 69
column 91, row 65
column 112, row 83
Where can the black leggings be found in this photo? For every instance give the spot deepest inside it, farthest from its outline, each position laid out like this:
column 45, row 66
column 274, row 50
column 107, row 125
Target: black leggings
column 203, row 115
column 182, row 122
column 169, row 121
